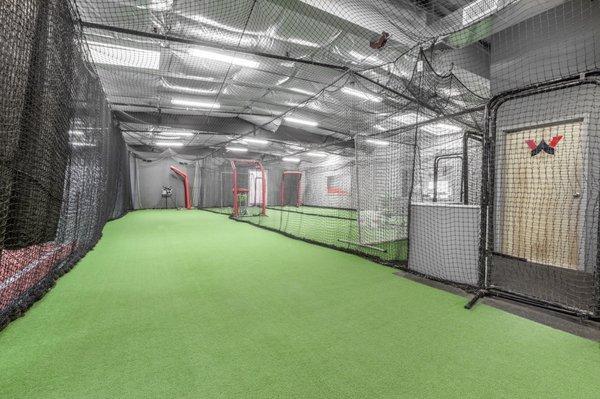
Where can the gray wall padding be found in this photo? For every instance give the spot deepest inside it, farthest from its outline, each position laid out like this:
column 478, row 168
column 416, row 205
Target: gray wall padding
column 444, row 242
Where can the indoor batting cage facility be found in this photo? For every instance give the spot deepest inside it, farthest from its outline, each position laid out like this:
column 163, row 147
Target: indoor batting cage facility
column 299, row 198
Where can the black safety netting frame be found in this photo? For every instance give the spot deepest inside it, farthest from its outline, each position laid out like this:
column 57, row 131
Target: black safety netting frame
column 541, row 197
column 64, row 169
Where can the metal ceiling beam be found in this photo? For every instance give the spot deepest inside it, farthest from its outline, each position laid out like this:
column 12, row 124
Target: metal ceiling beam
column 420, row 103
column 283, row 134
column 453, row 116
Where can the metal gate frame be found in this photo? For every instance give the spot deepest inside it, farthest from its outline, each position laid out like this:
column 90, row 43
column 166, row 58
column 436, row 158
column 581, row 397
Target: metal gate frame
column 488, row 192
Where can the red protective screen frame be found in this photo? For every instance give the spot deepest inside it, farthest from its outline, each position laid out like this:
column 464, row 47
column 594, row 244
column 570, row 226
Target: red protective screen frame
column 186, row 185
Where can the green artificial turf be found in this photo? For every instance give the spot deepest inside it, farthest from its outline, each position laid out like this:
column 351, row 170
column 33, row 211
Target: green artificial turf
column 190, row 304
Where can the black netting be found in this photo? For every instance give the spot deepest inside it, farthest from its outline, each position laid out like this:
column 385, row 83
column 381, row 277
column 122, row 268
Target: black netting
column 64, row 164
column 543, row 192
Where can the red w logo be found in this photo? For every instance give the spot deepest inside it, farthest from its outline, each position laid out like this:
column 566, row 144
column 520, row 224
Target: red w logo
column 543, row 146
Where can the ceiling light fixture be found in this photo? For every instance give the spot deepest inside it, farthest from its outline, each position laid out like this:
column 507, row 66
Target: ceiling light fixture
column 192, row 103
column 283, row 80
column 452, row 92
column 176, row 133
column 302, row 42
column 369, row 59
column 317, row 154
column 361, row 94
column 356, row 55
column 301, row 91
column 168, row 144
column 441, row 128
column 478, row 10
column 236, row 149
column 301, row 121
column 211, row 55
column 255, row 141
column 158, row 5
column 112, row 54
column 381, row 143
column 410, row 118
column 79, row 144
column 290, row 159
column 189, row 89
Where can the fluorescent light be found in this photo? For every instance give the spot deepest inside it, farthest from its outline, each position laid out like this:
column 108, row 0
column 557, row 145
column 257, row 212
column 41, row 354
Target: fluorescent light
column 216, row 24
column 161, row 137
column 189, row 89
column 297, row 90
column 358, row 93
column 158, row 5
column 192, row 103
column 76, row 132
column 79, row 144
column 290, row 159
column 318, row 154
column 300, row 121
column 356, row 55
column 224, row 58
column 236, row 149
column 296, row 147
column 379, row 127
column 381, row 143
column 255, row 141
column 168, row 144
column 365, row 58
column 477, row 10
column 176, row 133
column 453, row 92
column 112, row 54
column 410, row 118
column 441, row 128
column 302, row 42
column 291, row 104
column 282, row 81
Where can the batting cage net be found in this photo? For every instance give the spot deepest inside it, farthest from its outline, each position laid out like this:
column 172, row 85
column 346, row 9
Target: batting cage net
column 455, row 139
column 63, row 162
column 424, row 135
